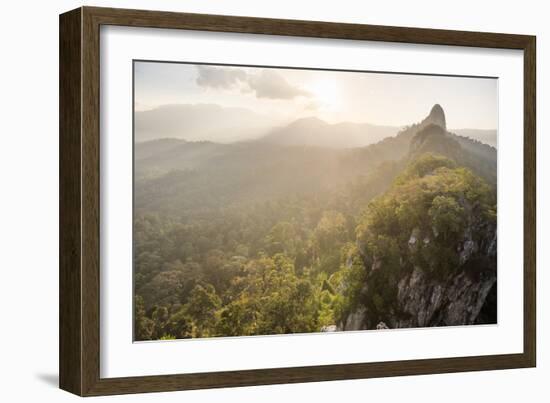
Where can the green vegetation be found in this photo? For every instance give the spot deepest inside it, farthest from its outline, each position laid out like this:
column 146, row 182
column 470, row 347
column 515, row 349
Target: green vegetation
column 419, row 222
column 263, row 243
column 271, row 274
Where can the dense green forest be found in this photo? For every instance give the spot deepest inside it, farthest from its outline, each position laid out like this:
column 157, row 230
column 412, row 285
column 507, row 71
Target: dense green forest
column 257, row 238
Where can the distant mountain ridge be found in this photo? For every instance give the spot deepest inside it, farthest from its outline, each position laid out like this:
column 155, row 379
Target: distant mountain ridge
column 487, row 136
column 313, row 131
column 197, row 122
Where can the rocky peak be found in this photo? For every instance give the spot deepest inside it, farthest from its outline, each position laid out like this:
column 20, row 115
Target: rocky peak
column 433, row 138
column 431, row 134
column 437, row 117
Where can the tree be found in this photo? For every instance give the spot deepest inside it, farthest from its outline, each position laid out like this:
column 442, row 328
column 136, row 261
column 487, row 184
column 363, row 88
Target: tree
column 143, row 326
column 238, row 318
column 201, row 308
column 179, row 325
column 286, row 304
column 330, row 230
column 447, row 217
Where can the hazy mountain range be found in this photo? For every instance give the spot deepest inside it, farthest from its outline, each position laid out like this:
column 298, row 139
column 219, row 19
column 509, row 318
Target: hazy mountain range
column 200, row 122
column 313, row 131
column 284, row 161
column 196, row 122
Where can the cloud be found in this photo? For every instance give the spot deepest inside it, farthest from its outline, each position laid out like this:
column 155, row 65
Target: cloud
column 269, row 84
column 264, row 84
column 219, row 77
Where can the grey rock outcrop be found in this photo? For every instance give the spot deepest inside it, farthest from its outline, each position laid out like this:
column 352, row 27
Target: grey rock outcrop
column 464, row 297
column 457, row 301
column 382, row 326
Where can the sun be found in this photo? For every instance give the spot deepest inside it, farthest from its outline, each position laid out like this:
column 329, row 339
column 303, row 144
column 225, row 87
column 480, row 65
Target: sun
column 327, row 93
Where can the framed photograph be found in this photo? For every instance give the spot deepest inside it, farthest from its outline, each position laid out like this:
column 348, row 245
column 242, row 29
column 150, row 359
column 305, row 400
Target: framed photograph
column 249, row 201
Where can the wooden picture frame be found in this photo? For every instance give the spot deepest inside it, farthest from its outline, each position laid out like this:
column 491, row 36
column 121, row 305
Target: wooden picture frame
column 79, row 346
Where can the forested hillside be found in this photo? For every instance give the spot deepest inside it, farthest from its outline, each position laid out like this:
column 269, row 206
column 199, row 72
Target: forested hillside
column 267, row 237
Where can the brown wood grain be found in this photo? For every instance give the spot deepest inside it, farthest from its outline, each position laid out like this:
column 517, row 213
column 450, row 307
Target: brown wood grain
column 90, row 202
column 530, row 202
column 80, row 200
column 70, row 274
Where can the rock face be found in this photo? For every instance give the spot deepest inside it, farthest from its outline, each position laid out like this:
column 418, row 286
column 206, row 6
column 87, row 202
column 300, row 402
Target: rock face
column 381, row 326
column 355, row 320
column 465, row 297
column 459, row 300
column 437, row 117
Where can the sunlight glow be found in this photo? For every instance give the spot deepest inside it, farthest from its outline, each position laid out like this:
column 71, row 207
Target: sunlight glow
column 327, row 93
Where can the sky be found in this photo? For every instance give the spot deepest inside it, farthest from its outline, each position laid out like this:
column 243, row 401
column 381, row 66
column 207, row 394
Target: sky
column 334, row 96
